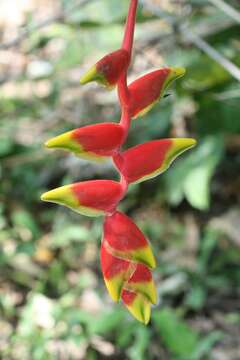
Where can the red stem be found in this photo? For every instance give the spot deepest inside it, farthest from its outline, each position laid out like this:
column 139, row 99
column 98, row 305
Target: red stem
column 127, row 44
column 125, row 121
column 123, row 92
column 129, row 27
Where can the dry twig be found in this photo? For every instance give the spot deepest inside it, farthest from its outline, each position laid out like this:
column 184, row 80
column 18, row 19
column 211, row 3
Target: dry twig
column 227, row 9
column 192, row 37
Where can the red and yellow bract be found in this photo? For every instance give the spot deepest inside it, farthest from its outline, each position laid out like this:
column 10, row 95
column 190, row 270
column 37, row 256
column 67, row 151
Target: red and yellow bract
column 126, row 240
column 145, row 161
column 93, row 142
column 148, row 89
column 126, row 255
column 91, row 198
column 108, row 70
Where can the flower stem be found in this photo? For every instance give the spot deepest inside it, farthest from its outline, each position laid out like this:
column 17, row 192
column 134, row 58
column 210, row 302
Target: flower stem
column 127, row 44
column 123, row 91
column 129, row 27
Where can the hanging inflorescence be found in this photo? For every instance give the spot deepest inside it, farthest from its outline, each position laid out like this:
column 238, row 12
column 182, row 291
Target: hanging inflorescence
column 126, row 256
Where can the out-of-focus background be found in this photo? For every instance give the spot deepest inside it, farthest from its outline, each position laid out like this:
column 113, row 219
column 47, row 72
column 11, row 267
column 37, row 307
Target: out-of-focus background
column 53, row 303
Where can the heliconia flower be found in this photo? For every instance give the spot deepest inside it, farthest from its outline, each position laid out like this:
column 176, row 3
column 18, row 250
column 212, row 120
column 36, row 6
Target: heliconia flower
column 126, row 240
column 150, row 159
column 148, row 89
column 108, row 70
column 91, row 198
column 126, row 256
column 92, row 142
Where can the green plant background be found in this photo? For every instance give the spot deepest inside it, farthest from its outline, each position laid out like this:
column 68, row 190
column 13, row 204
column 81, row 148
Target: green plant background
column 53, row 303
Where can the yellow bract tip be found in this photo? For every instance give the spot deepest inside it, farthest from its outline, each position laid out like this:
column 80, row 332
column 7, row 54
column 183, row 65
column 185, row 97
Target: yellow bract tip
column 178, row 71
column 44, row 197
column 114, row 286
column 178, row 147
column 90, row 75
column 60, row 141
column 55, row 194
column 140, row 309
column 147, row 289
column 144, row 255
column 62, row 195
column 184, row 143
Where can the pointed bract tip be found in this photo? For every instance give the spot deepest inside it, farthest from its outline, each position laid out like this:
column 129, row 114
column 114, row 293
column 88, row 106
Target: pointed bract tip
column 62, row 195
column 44, row 197
column 153, row 296
column 184, row 143
column 59, row 141
column 179, row 146
column 140, row 308
column 178, row 71
column 114, row 287
column 47, row 143
column 145, row 256
column 90, row 75
column 150, row 259
column 147, row 314
column 54, row 194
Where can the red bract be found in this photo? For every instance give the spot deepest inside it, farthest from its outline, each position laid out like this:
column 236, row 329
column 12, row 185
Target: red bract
column 93, row 142
column 108, row 70
column 91, row 198
column 126, row 240
column 126, row 256
column 148, row 89
column 148, row 160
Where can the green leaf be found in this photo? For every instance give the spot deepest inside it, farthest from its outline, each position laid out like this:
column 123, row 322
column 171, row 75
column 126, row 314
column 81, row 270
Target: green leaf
column 208, row 245
column 6, row 147
column 106, row 322
column 140, row 344
column 219, row 113
column 22, row 218
column 196, row 297
column 191, row 176
column 70, row 233
column 176, row 335
column 205, row 345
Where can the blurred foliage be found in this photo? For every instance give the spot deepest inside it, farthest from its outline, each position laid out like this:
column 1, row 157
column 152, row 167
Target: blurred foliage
column 53, row 304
